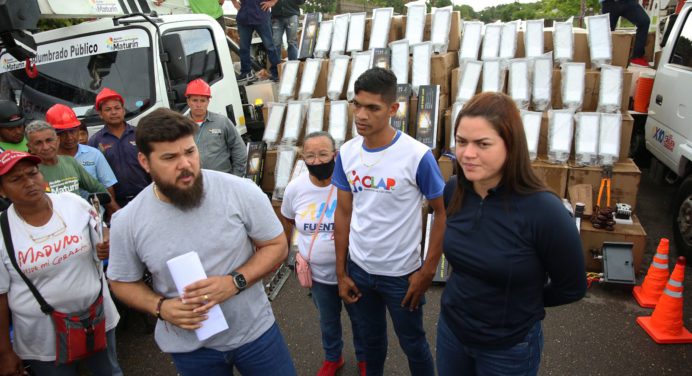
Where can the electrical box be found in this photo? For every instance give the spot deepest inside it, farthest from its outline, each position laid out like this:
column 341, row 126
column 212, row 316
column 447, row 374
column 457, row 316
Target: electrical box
column 617, row 263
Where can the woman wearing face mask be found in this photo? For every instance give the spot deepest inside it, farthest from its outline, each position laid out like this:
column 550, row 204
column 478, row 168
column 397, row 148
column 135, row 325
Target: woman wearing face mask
column 309, row 204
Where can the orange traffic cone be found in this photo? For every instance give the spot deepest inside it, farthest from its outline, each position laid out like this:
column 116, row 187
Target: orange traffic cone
column 648, row 293
column 665, row 324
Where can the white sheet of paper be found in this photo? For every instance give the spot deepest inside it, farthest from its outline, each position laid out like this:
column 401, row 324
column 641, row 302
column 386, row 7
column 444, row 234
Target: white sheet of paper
column 185, row 270
column 381, row 22
column 400, row 57
column 471, row 40
column 468, row 80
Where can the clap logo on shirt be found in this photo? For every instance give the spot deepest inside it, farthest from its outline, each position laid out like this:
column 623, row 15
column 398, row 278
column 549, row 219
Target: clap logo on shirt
column 370, row 183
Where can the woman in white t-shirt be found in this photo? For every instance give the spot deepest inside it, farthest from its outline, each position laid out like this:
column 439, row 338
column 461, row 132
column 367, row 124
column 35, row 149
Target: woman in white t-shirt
column 51, row 236
column 309, row 204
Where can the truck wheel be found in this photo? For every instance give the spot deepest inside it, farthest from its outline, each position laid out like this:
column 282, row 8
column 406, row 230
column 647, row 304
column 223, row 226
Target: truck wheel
column 682, row 219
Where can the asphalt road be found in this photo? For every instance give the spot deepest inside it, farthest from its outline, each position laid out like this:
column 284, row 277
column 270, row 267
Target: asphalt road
column 596, row 336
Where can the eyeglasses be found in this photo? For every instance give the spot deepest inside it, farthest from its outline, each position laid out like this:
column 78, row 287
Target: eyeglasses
column 58, row 232
column 321, row 156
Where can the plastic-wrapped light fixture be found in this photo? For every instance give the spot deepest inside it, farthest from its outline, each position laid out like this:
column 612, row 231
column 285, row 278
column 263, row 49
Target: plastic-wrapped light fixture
column 324, row 39
column 356, row 32
column 519, row 86
column 586, row 138
column 573, row 82
column 381, row 22
column 400, row 60
column 609, row 139
column 471, row 40
column 338, row 68
column 532, row 130
column 493, row 75
column 610, row 92
column 285, row 158
column 289, row 76
column 491, row 41
column 359, row 64
column 294, row 122
column 315, row 115
column 542, row 82
column 311, row 70
column 276, row 116
column 338, row 120
column 420, row 67
column 533, row 38
column 563, row 42
column 600, row 42
column 456, row 109
column 415, row 21
column 340, row 34
column 560, row 133
column 468, row 80
column 508, row 40
column 441, row 22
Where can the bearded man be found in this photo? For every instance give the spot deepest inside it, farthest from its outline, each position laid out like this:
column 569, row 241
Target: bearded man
column 231, row 225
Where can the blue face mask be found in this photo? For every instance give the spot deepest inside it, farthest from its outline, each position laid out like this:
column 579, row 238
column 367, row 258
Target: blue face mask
column 322, row 171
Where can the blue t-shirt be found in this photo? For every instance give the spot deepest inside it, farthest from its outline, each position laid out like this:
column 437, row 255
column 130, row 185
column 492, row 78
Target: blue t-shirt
column 121, row 154
column 96, row 165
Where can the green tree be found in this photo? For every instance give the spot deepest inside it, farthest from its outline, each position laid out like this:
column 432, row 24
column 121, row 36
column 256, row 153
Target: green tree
column 466, row 12
column 324, row 6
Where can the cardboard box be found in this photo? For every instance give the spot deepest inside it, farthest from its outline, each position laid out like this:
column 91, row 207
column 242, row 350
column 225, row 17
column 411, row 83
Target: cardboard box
column 592, row 88
column 581, row 47
column 621, row 43
column 322, row 80
column 454, row 30
column 440, row 70
column 624, row 182
column 554, row 176
column 446, row 165
column 592, row 239
column 547, row 42
column 268, row 175
column 623, row 40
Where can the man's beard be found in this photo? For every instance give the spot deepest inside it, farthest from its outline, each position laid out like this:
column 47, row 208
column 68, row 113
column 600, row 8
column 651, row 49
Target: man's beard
column 183, row 199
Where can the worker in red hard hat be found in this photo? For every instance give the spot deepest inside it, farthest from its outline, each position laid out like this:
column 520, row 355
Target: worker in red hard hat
column 116, row 140
column 11, row 127
column 67, row 125
column 219, row 143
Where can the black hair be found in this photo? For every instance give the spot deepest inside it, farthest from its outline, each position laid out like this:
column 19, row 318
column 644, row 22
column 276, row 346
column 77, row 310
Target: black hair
column 162, row 125
column 378, row 81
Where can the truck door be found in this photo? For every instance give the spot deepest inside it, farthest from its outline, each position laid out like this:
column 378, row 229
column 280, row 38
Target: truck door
column 670, row 110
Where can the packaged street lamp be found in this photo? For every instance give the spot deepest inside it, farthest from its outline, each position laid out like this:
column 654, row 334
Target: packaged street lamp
column 508, row 40
column 456, row 109
column 532, row 129
column 381, row 58
column 519, row 86
column 493, row 75
column 560, row 133
column 285, row 158
column 276, row 116
column 415, row 21
column 420, row 67
column 356, row 33
column 403, row 96
column 400, row 60
column 542, row 82
column 360, row 63
column 288, row 80
column 311, row 26
column 294, row 122
column 600, row 42
column 586, row 138
column 340, row 34
column 610, row 91
column 379, row 31
column 441, row 22
column 563, row 42
column 533, row 38
column 311, row 70
column 609, row 139
column 491, row 41
column 324, row 39
column 573, row 78
column 468, row 80
column 337, row 76
column 427, row 116
column 315, row 121
column 338, row 121
column 471, row 40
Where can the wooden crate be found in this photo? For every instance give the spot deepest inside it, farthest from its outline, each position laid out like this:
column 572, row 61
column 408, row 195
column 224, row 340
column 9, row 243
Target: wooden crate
column 624, row 182
column 592, row 239
column 554, row 175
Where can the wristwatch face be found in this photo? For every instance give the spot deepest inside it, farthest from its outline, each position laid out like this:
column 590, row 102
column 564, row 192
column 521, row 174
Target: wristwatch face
column 240, row 281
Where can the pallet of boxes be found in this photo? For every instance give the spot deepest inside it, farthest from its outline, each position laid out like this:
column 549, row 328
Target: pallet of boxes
column 572, row 87
column 313, row 93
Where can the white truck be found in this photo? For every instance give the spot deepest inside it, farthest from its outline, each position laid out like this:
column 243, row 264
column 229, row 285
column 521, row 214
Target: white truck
column 668, row 129
column 147, row 58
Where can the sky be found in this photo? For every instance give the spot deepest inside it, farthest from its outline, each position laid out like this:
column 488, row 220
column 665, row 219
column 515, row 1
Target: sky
column 478, row 5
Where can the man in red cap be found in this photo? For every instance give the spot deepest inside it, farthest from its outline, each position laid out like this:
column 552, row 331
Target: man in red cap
column 116, row 140
column 66, row 124
column 220, row 146
column 11, row 127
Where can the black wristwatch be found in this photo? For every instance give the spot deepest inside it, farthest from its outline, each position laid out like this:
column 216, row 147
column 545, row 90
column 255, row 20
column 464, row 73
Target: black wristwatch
column 239, row 281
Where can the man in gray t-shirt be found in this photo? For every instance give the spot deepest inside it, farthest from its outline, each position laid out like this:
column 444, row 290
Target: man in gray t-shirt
column 230, row 223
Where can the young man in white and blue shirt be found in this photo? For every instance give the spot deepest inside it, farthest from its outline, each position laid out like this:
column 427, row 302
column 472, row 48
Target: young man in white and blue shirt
column 383, row 176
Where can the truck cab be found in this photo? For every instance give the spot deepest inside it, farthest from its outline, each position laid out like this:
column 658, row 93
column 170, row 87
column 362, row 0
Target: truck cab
column 147, row 59
column 668, row 130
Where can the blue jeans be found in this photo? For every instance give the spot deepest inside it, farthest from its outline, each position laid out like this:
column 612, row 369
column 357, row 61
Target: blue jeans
column 328, row 303
column 267, row 355
column 104, row 363
column 634, row 13
column 381, row 293
column 265, row 33
column 289, row 25
column 454, row 358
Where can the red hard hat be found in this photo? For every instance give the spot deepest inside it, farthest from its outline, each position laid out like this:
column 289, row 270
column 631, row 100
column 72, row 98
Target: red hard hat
column 198, row 87
column 105, row 95
column 62, row 117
